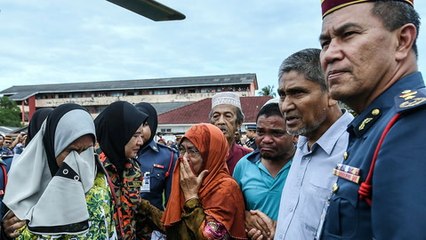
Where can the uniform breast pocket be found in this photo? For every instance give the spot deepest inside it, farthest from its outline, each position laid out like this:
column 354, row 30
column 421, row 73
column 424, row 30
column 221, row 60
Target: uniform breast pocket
column 342, row 216
column 158, row 178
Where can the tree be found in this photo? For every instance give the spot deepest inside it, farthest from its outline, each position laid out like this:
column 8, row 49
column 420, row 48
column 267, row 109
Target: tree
column 9, row 113
column 267, row 91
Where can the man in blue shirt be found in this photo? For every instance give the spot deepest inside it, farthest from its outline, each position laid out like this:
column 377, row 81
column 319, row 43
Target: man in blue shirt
column 6, row 149
column 262, row 173
column 321, row 125
column 369, row 56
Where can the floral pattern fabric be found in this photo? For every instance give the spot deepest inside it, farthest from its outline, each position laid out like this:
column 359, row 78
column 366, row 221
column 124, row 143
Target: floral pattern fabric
column 101, row 210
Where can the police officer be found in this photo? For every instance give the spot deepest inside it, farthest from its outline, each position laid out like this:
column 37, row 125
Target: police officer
column 369, row 57
column 156, row 161
column 251, row 135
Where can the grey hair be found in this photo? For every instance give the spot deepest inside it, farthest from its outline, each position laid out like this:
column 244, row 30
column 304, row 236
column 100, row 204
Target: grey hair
column 306, row 62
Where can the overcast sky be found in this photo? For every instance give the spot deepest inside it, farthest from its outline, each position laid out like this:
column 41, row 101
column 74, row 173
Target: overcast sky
column 58, row 41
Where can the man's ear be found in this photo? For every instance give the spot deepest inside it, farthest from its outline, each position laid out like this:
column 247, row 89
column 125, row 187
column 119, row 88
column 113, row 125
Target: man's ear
column 406, row 35
column 331, row 101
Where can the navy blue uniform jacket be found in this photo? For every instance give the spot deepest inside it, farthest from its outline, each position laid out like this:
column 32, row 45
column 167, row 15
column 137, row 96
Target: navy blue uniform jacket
column 398, row 209
column 156, row 159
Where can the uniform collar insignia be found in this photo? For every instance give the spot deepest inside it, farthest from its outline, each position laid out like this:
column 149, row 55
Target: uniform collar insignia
column 368, row 121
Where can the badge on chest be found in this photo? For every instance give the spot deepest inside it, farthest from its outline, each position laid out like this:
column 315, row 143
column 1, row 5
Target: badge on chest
column 146, row 183
column 347, row 172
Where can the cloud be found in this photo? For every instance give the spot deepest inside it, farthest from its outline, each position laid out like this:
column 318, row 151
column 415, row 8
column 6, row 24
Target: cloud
column 57, row 41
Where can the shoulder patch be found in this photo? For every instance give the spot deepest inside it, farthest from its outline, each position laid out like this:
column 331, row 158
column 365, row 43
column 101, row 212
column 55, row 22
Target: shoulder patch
column 410, row 99
column 166, row 147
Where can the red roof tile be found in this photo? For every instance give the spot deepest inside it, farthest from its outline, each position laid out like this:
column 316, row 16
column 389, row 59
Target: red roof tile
column 198, row 112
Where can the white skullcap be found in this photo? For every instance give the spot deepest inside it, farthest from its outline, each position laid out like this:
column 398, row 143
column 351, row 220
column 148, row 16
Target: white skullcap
column 229, row 98
column 272, row 100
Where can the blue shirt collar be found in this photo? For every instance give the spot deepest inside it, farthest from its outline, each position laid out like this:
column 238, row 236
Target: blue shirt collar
column 329, row 139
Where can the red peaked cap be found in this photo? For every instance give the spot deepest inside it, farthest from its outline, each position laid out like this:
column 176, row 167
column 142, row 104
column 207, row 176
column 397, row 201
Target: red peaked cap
column 329, row 6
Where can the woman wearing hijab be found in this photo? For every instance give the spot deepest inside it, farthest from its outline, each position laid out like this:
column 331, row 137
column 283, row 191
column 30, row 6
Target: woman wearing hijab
column 33, row 127
column 36, row 121
column 55, row 184
column 205, row 202
column 119, row 131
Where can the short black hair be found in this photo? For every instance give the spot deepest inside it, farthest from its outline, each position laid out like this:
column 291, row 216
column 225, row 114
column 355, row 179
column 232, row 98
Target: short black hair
column 271, row 109
column 395, row 14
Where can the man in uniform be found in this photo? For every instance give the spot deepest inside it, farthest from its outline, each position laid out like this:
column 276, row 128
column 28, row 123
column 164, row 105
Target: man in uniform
column 251, row 136
column 369, row 57
column 227, row 115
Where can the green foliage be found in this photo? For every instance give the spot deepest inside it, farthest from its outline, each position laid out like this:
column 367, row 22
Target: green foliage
column 10, row 114
column 267, row 91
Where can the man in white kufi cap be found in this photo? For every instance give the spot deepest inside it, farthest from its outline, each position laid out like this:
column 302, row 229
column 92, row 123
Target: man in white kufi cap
column 227, row 115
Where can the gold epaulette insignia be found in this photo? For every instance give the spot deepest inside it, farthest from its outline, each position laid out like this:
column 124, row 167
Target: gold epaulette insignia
column 410, row 98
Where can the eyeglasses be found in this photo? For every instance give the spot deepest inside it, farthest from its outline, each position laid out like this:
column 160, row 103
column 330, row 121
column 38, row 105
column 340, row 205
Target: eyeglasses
column 192, row 152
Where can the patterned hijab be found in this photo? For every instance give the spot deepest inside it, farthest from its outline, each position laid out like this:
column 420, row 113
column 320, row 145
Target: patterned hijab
column 217, row 188
column 114, row 128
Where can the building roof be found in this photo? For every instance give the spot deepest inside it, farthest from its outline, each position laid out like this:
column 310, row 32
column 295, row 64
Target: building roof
column 18, row 93
column 198, row 112
column 165, row 107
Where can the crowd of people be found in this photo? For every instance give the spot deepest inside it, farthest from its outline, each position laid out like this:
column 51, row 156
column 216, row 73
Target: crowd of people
column 309, row 168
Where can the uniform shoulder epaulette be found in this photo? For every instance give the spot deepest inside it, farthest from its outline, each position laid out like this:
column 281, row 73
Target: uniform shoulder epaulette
column 160, row 145
column 410, row 99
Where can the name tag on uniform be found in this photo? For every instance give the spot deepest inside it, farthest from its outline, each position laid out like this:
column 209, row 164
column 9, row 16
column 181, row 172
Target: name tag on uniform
column 159, row 166
column 347, row 172
column 146, row 183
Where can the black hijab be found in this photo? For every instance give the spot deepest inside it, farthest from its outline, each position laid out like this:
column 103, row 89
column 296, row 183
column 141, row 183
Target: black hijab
column 114, row 128
column 36, row 121
column 152, row 120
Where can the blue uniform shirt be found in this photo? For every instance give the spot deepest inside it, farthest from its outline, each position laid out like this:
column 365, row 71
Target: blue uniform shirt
column 157, row 161
column 398, row 209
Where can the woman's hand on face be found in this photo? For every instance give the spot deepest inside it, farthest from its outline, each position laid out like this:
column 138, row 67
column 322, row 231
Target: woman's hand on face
column 189, row 182
column 12, row 224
